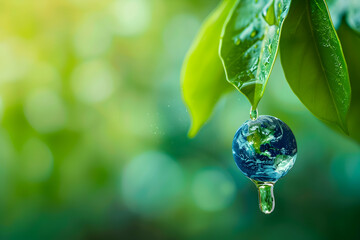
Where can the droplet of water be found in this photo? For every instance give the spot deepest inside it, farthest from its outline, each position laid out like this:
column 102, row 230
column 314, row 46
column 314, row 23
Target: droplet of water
column 253, row 34
column 266, row 196
column 264, row 150
column 269, row 13
column 253, row 114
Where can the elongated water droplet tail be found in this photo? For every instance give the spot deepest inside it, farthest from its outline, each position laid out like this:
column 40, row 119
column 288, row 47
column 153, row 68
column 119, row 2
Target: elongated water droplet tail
column 266, row 196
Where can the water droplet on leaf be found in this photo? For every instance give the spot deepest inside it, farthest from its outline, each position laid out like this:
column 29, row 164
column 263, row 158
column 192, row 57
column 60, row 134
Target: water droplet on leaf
column 269, row 13
column 253, row 113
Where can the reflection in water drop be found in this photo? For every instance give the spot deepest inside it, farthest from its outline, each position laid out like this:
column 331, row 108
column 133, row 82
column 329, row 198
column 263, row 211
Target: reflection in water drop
column 264, row 150
column 266, row 196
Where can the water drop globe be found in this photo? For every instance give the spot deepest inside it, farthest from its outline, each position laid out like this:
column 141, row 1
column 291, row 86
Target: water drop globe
column 264, row 149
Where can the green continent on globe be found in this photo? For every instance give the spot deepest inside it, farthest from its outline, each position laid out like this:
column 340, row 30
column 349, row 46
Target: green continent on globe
column 259, row 136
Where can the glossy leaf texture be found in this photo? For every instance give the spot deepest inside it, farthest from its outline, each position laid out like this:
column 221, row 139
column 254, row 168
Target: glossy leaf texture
column 249, row 44
column 203, row 77
column 313, row 62
column 351, row 47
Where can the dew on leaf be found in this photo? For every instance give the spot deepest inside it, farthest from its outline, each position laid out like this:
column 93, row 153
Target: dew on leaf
column 253, row 34
column 269, row 13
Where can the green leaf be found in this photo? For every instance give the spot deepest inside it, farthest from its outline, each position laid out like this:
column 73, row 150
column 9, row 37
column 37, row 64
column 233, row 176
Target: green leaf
column 250, row 42
column 351, row 47
column 353, row 16
column 313, row 62
column 203, row 77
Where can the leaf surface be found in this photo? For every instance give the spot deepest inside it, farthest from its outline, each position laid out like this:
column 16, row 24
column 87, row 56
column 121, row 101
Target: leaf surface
column 203, row 76
column 351, row 46
column 313, row 62
column 250, row 43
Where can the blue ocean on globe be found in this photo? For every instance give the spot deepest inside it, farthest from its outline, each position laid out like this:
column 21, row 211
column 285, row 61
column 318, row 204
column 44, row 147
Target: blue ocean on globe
column 264, row 149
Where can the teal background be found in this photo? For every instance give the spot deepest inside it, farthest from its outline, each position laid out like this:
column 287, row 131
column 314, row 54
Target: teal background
column 93, row 137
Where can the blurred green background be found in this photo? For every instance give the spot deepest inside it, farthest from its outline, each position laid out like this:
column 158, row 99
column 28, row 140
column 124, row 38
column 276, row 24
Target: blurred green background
column 93, row 137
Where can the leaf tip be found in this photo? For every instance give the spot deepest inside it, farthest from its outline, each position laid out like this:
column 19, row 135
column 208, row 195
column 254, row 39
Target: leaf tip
column 345, row 128
column 194, row 129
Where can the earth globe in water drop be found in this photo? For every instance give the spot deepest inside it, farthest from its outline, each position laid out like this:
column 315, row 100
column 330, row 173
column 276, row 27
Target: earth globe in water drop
column 265, row 150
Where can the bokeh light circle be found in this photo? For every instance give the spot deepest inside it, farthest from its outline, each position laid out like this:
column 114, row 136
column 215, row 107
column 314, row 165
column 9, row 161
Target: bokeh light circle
column 132, row 16
column 93, row 36
column 36, row 161
column 93, row 81
column 345, row 170
column 45, row 111
column 151, row 184
column 15, row 60
column 213, row 189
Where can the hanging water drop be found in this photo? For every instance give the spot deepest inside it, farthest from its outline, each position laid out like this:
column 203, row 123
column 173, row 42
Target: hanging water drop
column 266, row 196
column 253, row 113
column 265, row 150
column 253, row 33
